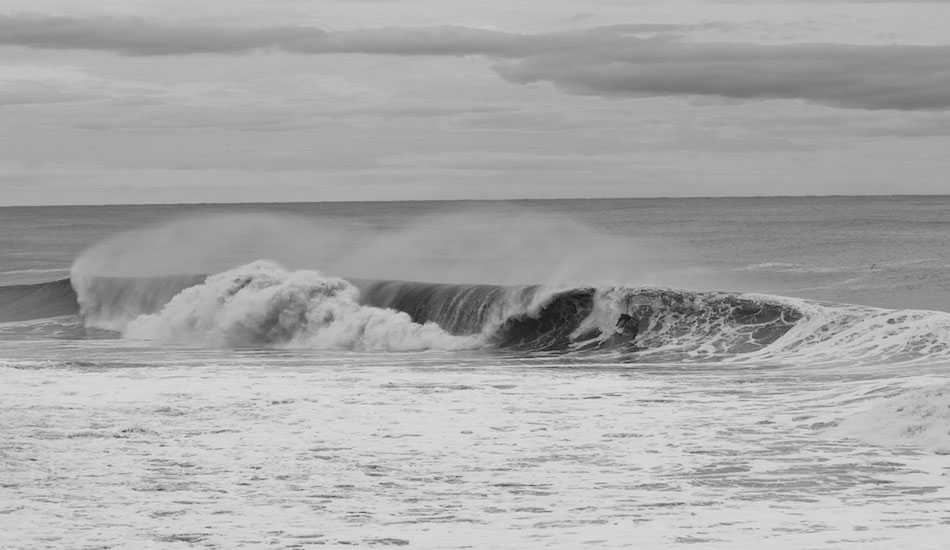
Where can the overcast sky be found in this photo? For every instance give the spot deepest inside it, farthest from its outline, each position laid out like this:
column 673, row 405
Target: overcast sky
column 140, row 101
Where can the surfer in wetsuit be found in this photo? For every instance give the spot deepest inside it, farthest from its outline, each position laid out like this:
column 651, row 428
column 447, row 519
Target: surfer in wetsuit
column 629, row 325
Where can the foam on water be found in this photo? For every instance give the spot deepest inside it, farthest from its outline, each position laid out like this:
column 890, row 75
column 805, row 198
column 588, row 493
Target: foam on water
column 915, row 417
column 445, row 451
column 842, row 334
column 206, row 398
column 263, row 304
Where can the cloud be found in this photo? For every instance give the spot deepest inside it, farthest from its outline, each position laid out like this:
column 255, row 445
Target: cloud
column 270, row 118
column 835, row 124
column 141, row 37
column 35, row 94
column 614, row 61
column 136, row 36
column 39, row 91
column 38, row 85
column 864, row 77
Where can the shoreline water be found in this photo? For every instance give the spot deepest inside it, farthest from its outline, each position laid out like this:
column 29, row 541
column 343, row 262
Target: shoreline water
column 832, row 432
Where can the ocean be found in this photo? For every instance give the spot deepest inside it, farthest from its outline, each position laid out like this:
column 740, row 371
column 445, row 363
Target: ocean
column 458, row 374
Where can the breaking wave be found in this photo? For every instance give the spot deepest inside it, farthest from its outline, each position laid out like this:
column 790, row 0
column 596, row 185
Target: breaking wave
column 259, row 304
column 263, row 304
column 537, row 318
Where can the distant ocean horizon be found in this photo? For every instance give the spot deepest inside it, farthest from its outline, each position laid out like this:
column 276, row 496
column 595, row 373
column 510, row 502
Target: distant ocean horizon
column 485, row 200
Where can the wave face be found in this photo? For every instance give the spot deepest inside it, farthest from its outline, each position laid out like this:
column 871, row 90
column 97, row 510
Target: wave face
column 112, row 302
column 37, row 301
column 262, row 304
column 539, row 319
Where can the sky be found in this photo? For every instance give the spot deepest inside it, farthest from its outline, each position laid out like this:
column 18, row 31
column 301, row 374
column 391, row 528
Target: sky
column 168, row 101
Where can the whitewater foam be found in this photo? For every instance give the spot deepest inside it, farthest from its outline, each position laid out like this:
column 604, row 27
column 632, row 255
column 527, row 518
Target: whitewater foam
column 845, row 334
column 918, row 417
column 262, row 304
column 675, row 325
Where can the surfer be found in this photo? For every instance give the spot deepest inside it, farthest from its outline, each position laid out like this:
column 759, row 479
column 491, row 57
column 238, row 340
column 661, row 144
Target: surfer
column 629, row 325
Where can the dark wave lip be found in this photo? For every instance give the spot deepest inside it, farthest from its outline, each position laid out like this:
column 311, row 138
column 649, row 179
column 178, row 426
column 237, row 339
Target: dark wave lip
column 556, row 322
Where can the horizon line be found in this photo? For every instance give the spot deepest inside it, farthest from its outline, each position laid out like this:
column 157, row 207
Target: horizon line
column 526, row 199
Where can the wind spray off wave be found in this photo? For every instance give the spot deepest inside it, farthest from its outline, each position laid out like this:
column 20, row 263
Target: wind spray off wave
column 153, row 284
column 262, row 304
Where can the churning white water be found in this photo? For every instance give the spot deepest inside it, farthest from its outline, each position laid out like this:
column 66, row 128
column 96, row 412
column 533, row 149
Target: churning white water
column 267, row 381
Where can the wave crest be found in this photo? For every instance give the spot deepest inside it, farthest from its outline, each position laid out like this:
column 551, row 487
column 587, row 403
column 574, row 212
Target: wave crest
column 261, row 304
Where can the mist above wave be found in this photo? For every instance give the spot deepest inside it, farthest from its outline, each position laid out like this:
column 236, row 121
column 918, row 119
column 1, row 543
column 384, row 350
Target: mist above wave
column 501, row 244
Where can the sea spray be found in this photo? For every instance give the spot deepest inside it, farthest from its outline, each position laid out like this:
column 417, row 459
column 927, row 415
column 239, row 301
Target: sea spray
column 211, row 243
column 136, row 272
column 498, row 244
column 577, row 282
column 262, row 304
